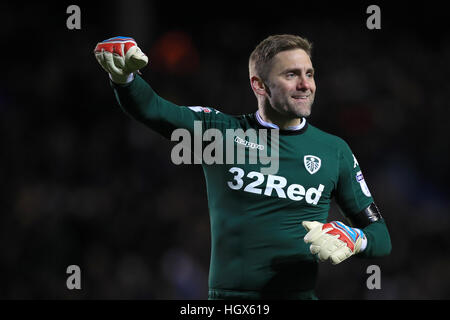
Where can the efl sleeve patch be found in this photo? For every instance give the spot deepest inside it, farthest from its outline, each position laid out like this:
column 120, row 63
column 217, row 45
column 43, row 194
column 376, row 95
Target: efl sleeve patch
column 363, row 184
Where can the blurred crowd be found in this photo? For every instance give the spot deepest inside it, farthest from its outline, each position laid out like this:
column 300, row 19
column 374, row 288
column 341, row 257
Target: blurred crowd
column 83, row 184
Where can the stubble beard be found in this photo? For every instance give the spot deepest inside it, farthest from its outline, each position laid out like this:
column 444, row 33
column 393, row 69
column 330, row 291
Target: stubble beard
column 301, row 109
column 289, row 109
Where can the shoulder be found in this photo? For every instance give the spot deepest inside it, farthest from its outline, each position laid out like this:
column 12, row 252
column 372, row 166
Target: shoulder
column 327, row 138
column 220, row 120
column 240, row 121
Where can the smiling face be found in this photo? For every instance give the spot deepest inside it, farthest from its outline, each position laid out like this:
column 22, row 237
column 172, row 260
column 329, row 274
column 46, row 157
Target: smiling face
column 290, row 86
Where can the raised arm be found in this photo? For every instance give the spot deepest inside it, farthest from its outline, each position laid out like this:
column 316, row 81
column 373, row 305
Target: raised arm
column 121, row 58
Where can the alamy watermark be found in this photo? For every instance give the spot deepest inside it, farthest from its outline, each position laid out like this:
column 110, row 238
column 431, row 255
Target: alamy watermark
column 374, row 20
column 74, row 280
column 74, row 20
column 234, row 146
column 374, row 280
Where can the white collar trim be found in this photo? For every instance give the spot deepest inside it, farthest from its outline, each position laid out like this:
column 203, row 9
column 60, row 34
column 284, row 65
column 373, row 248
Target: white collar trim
column 274, row 126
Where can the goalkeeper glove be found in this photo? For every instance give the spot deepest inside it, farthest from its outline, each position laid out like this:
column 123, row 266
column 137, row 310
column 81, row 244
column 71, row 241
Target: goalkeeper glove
column 120, row 57
column 334, row 240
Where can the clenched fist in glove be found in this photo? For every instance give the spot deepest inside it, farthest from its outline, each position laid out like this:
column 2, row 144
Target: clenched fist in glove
column 334, row 240
column 120, row 57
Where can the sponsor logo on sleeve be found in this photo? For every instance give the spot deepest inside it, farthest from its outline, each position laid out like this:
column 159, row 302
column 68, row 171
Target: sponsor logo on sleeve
column 363, row 184
column 200, row 109
column 355, row 162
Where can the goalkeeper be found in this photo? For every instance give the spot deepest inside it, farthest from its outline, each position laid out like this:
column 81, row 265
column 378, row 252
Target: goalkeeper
column 268, row 231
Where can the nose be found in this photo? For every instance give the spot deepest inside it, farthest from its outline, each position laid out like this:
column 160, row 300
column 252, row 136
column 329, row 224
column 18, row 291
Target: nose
column 304, row 83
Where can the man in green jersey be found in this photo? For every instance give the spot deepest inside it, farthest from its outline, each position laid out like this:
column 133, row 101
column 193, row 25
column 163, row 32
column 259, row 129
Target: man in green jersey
column 268, row 224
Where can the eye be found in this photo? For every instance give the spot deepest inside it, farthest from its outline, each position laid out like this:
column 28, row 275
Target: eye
column 290, row 75
column 310, row 75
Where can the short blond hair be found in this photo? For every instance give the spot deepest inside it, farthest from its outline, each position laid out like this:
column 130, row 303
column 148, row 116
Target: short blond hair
column 264, row 52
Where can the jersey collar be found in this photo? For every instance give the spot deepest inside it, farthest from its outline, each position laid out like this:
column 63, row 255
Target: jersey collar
column 298, row 129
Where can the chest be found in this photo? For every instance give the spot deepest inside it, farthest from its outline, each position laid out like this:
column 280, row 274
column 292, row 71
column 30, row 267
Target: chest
column 290, row 169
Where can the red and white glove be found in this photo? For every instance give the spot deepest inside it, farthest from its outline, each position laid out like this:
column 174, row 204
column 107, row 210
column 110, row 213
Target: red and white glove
column 334, row 240
column 120, row 57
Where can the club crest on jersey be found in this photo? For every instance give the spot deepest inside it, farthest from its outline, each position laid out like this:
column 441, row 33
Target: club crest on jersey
column 312, row 163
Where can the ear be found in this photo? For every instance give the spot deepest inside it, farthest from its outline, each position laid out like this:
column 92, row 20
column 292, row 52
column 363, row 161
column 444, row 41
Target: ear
column 258, row 86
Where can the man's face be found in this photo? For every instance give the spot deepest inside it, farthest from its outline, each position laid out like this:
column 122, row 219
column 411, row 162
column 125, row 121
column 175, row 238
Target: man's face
column 291, row 84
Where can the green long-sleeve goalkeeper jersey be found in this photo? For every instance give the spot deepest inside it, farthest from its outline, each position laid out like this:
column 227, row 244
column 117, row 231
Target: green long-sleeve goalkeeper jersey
column 257, row 247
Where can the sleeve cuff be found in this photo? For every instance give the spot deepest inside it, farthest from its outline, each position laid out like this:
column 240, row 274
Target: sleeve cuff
column 126, row 81
column 363, row 244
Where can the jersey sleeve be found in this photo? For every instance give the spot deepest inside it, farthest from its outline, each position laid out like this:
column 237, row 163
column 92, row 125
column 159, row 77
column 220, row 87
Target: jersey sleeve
column 142, row 103
column 352, row 192
column 353, row 196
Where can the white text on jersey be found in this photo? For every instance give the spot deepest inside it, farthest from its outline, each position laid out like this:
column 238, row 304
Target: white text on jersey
column 295, row 192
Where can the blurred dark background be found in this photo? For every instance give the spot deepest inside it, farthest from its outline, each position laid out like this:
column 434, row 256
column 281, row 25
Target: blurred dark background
column 83, row 184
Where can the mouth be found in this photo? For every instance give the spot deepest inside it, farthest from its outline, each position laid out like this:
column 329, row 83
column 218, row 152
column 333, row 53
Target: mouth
column 300, row 97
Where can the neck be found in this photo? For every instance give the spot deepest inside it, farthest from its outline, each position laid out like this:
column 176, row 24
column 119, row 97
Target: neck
column 270, row 116
column 276, row 126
